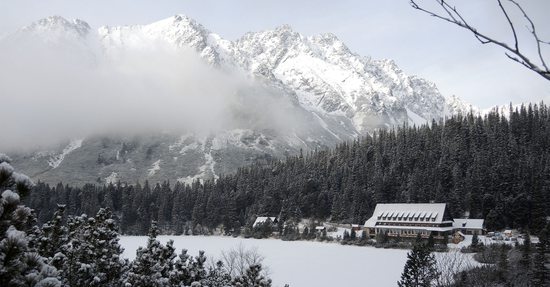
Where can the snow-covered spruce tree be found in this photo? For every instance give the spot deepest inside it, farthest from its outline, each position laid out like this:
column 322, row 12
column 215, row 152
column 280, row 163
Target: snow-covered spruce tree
column 72, row 253
column 345, row 237
column 181, row 273
column 20, row 265
column 92, row 255
column 420, row 269
column 109, row 265
column 252, row 278
column 189, row 270
column 53, row 236
column 217, row 277
column 153, row 264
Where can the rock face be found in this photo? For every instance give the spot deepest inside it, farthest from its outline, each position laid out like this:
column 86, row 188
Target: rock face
column 336, row 94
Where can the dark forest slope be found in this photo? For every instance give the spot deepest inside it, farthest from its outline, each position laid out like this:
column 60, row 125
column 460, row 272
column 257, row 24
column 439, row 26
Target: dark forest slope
column 495, row 167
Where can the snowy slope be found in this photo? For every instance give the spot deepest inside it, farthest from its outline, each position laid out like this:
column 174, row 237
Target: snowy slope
column 320, row 70
column 56, row 160
column 334, row 94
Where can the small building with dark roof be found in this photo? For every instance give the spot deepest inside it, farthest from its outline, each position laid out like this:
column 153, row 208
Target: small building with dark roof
column 469, row 226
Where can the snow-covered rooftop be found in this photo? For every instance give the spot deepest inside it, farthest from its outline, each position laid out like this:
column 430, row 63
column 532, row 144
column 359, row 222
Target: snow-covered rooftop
column 407, row 212
column 262, row 219
column 468, row 223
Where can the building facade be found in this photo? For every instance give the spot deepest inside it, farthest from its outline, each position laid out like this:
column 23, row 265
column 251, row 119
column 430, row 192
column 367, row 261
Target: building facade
column 408, row 220
column 469, row 226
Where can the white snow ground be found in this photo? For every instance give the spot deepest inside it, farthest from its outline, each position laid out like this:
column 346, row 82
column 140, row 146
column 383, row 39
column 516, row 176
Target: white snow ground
column 299, row 263
column 487, row 241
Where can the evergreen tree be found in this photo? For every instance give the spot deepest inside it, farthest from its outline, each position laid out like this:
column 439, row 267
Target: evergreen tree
column 345, row 236
column 109, row 264
column 475, row 241
column 541, row 274
column 19, row 264
column 525, row 260
column 252, row 278
column 493, row 221
column 305, row 233
column 502, row 264
column 363, row 236
column 353, row 235
column 189, row 270
column 153, row 264
column 53, row 235
column 431, row 242
column 420, row 269
column 92, row 254
column 217, row 277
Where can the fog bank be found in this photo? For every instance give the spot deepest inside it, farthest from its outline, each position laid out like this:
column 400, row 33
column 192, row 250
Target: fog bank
column 53, row 90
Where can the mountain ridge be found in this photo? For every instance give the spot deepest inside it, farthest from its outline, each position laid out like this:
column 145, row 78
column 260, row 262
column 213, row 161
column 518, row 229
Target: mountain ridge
column 337, row 94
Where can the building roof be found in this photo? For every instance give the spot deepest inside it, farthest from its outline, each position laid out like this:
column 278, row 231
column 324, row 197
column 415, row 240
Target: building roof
column 407, row 212
column 262, row 219
column 467, row 223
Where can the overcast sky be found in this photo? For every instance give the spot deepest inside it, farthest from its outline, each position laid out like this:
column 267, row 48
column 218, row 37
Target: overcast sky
column 420, row 45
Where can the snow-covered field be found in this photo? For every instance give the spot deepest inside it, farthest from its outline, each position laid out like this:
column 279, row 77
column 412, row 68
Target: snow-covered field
column 488, row 241
column 299, row 263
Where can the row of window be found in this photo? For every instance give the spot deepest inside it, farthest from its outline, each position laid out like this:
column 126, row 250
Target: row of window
column 404, row 232
column 409, row 224
column 410, row 218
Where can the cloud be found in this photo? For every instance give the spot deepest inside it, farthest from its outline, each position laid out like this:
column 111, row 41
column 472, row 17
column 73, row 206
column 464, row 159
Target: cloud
column 65, row 88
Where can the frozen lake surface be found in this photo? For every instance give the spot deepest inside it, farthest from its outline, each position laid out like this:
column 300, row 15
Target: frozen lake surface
column 299, row 263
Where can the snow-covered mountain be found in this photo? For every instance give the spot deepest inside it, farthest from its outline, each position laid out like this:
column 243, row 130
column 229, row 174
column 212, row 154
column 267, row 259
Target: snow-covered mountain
column 334, row 94
column 320, row 70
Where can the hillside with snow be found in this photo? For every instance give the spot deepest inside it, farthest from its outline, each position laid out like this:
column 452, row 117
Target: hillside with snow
column 302, row 93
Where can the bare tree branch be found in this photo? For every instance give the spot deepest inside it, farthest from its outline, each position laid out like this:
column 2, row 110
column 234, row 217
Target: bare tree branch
column 449, row 264
column 452, row 15
column 510, row 23
column 238, row 260
column 517, row 60
column 534, row 32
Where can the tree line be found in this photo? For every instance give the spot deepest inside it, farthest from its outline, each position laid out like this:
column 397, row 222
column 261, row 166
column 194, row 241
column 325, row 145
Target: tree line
column 494, row 166
column 85, row 251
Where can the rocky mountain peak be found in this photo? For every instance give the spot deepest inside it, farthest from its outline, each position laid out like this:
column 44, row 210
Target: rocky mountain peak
column 336, row 94
column 60, row 25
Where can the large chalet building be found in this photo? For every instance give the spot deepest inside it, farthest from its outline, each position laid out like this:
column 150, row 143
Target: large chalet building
column 407, row 220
